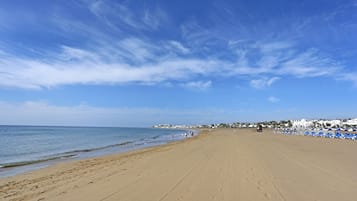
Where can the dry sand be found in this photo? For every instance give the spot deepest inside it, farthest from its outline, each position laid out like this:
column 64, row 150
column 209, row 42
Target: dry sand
column 226, row 164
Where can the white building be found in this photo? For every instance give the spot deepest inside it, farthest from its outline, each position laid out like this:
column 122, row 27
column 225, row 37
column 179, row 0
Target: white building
column 323, row 123
column 329, row 123
column 303, row 123
column 351, row 122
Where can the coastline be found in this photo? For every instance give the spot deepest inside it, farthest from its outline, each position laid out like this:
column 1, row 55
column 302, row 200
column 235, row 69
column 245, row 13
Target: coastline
column 224, row 164
column 21, row 167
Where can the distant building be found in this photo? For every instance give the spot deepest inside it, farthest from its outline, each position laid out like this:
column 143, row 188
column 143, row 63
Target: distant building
column 350, row 122
column 303, row 123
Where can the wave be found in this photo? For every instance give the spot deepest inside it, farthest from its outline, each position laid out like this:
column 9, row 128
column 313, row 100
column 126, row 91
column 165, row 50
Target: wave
column 30, row 162
column 98, row 148
column 64, row 155
column 155, row 137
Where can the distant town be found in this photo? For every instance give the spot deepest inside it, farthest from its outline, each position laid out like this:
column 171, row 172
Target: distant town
column 303, row 123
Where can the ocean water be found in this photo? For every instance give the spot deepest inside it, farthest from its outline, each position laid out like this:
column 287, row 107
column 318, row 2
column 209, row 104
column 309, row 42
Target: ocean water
column 24, row 148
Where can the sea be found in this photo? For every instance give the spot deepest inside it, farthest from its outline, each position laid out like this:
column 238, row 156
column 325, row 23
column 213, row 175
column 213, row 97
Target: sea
column 26, row 148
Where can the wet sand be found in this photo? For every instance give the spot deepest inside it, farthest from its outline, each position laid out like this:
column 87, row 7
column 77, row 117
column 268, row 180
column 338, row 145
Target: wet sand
column 224, row 164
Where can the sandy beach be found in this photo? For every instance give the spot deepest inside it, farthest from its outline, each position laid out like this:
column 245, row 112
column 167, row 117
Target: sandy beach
column 223, row 164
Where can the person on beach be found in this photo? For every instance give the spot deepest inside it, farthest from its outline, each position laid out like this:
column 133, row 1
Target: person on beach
column 260, row 128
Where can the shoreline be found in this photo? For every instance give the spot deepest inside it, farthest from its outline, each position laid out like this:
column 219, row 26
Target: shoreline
column 108, row 156
column 21, row 167
column 221, row 164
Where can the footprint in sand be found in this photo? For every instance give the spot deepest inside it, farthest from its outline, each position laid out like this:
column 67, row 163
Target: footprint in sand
column 267, row 195
column 62, row 193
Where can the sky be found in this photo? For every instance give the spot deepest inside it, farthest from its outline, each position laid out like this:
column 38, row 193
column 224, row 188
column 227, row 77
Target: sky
column 139, row 63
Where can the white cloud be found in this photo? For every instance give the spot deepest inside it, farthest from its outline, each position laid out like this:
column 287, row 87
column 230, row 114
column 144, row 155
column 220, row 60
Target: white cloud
column 155, row 17
column 112, row 14
column 70, row 53
column 195, row 34
column 273, row 99
column 116, row 50
column 133, row 60
column 199, row 85
column 348, row 77
column 115, row 15
column 111, row 60
column 309, row 64
column 177, row 45
column 29, row 73
column 136, row 49
column 275, row 46
column 281, row 58
column 263, row 82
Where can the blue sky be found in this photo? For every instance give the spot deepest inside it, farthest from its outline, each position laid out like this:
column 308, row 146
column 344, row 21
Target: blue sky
column 138, row 63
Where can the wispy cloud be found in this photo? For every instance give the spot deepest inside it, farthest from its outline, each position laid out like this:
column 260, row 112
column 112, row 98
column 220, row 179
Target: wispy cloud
column 133, row 60
column 348, row 77
column 135, row 50
column 179, row 47
column 310, row 64
column 155, row 17
column 282, row 58
column 263, row 82
column 81, row 67
column 271, row 47
column 197, row 85
column 196, row 34
column 119, row 56
column 273, row 99
column 116, row 15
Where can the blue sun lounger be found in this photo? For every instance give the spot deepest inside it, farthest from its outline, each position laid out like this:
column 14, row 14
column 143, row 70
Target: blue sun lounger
column 313, row 133
column 321, row 133
column 330, row 134
column 338, row 134
column 348, row 136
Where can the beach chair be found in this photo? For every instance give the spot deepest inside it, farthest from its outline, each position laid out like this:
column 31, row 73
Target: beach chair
column 348, row 136
column 338, row 134
column 313, row 133
column 321, row 133
column 354, row 136
column 344, row 134
column 329, row 133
